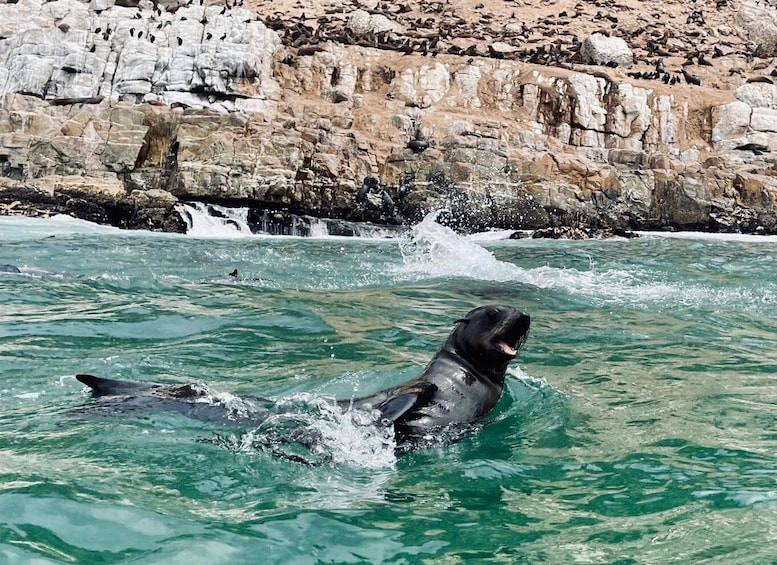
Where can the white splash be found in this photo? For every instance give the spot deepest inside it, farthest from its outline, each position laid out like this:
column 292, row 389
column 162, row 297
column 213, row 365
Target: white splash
column 536, row 383
column 494, row 235
column 318, row 228
column 237, row 408
column 65, row 379
column 738, row 237
column 435, row 251
column 315, row 429
column 29, row 395
column 20, row 228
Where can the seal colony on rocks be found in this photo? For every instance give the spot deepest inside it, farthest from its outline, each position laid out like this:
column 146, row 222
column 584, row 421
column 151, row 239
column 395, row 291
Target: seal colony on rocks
column 462, row 383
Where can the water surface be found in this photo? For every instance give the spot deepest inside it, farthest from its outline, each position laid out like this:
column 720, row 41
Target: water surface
column 638, row 425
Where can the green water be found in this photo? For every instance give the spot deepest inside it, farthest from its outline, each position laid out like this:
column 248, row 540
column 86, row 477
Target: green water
column 638, row 425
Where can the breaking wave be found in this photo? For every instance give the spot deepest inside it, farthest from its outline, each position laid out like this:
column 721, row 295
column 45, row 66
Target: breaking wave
column 435, row 251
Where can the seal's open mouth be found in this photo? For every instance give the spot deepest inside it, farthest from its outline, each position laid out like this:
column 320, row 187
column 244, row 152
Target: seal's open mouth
column 512, row 337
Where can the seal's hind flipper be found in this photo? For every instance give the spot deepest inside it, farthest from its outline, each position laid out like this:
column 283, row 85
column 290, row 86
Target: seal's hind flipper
column 107, row 387
column 405, row 398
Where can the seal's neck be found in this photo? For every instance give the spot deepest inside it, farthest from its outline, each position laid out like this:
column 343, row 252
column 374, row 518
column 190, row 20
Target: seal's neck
column 495, row 375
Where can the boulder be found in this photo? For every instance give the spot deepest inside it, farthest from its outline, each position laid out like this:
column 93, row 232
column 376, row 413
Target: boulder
column 361, row 22
column 730, row 124
column 758, row 94
column 598, row 49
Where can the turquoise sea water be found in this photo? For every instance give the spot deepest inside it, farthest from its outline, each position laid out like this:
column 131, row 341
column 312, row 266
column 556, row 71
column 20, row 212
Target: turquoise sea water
column 638, row 424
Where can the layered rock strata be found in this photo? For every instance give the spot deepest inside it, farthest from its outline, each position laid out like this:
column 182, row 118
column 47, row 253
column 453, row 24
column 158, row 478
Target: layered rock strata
column 117, row 112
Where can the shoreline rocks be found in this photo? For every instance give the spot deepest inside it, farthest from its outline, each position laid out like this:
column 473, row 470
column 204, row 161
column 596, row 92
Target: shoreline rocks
column 118, row 128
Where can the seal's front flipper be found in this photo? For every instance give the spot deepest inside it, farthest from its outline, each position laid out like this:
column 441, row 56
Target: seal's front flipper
column 399, row 405
column 107, row 387
column 403, row 399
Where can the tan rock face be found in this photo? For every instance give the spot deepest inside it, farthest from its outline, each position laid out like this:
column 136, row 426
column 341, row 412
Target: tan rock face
column 215, row 108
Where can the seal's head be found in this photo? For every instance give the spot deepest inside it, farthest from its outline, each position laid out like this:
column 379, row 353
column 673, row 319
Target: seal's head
column 489, row 337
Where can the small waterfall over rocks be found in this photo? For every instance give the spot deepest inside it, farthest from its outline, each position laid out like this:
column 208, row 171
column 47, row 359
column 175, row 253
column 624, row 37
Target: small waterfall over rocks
column 213, row 220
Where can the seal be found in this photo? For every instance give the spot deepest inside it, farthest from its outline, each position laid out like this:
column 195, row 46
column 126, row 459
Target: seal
column 462, row 383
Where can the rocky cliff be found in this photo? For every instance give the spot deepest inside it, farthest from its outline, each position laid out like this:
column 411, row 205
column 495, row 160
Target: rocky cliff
column 115, row 111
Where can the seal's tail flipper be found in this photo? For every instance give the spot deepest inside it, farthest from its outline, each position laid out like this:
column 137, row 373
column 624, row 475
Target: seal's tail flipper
column 106, row 387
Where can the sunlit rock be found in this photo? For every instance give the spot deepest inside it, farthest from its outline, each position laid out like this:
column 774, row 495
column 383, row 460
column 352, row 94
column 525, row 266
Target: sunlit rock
column 730, row 124
column 758, row 23
column 61, row 50
column 758, row 94
column 361, row 22
column 602, row 50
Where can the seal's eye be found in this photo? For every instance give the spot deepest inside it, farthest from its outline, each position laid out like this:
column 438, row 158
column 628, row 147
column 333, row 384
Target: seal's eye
column 492, row 315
